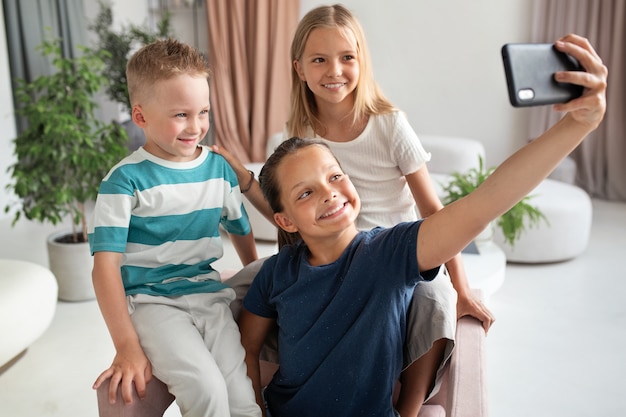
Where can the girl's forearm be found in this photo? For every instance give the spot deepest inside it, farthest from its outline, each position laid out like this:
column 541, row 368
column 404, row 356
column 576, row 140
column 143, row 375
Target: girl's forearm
column 525, row 169
column 458, row 277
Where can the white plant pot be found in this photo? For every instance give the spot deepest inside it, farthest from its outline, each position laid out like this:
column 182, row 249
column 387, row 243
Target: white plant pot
column 71, row 264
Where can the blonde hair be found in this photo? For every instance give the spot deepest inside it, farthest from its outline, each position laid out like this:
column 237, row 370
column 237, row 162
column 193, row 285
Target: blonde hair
column 368, row 99
column 161, row 60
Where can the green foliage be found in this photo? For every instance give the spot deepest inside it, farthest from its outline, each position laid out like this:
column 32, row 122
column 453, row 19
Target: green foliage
column 119, row 45
column 514, row 221
column 66, row 150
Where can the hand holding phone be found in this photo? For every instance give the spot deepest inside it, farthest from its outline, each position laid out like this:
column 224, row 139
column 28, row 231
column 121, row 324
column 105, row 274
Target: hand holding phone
column 529, row 70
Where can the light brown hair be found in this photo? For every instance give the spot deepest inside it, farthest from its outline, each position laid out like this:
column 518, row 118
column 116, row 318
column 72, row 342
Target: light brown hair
column 369, row 99
column 161, row 60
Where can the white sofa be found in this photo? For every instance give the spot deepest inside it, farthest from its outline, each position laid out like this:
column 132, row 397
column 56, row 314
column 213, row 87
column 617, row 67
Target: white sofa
column 564, row 236
column 451, row 154
column 28, row 299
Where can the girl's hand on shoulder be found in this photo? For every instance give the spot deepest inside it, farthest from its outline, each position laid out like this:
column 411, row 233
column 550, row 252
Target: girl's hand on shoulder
column 589, row 108
column 242, row 172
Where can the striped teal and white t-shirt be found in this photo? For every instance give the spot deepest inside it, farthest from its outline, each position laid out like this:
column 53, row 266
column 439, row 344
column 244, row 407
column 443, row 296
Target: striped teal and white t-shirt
column 165, row 216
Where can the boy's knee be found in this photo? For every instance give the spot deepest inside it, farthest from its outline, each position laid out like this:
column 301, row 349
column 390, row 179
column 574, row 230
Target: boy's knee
column 199, row 395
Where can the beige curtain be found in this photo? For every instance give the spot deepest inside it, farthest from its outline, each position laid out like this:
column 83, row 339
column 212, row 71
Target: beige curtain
column 249, row 43
column 601, row 159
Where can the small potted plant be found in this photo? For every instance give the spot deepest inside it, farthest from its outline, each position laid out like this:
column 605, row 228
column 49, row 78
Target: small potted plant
column 63, row 154
column 513, row 222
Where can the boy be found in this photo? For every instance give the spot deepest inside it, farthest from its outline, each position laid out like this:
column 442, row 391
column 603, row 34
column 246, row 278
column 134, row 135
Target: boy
column 341, row 327
column 154, row 236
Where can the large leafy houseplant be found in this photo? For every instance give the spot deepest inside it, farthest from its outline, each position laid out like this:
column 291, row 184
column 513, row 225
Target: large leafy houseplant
column 514, row 222
column 65, row 151
column 119, row 44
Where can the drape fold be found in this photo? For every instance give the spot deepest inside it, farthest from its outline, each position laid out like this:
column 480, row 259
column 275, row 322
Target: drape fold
column 27, row 25
column 600, row 158
column 249, row 43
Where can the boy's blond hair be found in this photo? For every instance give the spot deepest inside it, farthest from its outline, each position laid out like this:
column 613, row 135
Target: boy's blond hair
column 161, row 60
column 369, row 99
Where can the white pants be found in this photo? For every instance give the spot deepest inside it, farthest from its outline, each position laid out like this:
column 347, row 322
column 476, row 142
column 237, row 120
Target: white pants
column 194, row 346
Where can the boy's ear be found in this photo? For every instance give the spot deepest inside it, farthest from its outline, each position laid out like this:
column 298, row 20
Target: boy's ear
column 285, row 223
column 137, row 116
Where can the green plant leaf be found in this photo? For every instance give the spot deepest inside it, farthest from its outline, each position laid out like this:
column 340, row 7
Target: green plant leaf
column 63, row 154
column 114, row 47
column 512, row 223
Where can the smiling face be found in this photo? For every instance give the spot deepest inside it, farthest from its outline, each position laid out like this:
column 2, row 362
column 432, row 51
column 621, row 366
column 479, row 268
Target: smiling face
column 330, row 66
column 174, row 117
column 318, row 199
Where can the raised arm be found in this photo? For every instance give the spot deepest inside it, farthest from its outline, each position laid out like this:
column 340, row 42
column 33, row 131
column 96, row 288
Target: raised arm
column 446, row 232
column 421, row 185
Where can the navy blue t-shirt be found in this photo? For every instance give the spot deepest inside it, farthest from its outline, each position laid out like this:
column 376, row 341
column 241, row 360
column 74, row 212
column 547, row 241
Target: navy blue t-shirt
column 341, row 325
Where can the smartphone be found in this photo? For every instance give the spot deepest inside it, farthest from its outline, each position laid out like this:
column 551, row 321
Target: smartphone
column 529, row 70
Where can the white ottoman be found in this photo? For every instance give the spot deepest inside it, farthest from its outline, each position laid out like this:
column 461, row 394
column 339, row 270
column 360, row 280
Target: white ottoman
column 28, row 299
column 568, row 211
column 451, row 154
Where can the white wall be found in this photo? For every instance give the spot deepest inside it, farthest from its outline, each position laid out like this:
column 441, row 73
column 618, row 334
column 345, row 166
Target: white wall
column 440, row 62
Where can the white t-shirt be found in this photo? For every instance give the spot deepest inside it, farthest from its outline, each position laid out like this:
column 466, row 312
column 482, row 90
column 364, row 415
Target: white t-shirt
column 377, row 161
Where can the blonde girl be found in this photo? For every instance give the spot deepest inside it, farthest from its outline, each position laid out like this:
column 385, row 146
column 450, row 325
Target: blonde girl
column 335, row 98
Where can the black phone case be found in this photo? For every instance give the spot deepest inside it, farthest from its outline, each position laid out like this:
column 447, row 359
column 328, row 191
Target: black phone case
column 529, row 70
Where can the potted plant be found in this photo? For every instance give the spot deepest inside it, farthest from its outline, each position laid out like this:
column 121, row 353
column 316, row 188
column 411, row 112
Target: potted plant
column 119, row 45
column 513, row 222
column 63, row 154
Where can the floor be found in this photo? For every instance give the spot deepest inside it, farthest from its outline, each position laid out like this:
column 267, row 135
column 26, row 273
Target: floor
column 556, row 348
